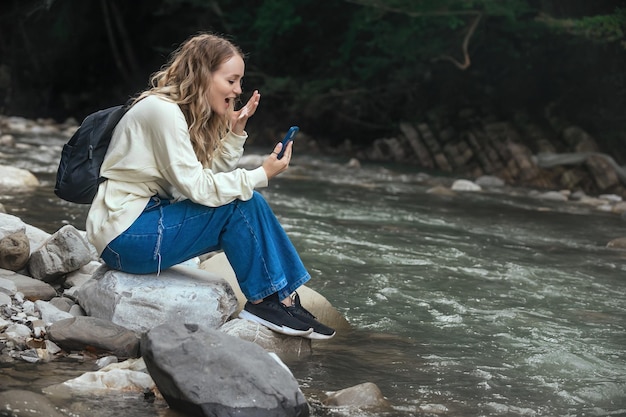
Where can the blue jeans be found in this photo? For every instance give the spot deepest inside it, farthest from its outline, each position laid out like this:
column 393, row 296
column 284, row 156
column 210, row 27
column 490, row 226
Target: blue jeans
column 263, row 258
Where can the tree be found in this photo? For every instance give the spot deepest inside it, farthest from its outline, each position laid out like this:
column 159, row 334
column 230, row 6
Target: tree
column 340, row 68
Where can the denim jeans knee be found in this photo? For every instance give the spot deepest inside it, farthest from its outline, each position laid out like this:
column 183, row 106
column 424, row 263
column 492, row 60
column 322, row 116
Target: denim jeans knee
column 257, row 247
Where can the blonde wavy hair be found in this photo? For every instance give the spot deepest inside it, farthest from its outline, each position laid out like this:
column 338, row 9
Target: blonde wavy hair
column 186, row 80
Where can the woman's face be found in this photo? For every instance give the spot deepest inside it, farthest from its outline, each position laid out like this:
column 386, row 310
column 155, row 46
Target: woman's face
column 226, row 85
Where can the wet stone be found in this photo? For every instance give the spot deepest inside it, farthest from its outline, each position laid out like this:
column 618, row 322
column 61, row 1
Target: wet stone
column 94, row 334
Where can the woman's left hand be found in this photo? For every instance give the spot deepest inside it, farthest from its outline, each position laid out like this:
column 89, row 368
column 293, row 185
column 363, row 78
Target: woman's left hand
column 241, row 116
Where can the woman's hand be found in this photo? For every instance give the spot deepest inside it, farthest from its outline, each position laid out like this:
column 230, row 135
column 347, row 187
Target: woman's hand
column 241, row 116
column 274, row 166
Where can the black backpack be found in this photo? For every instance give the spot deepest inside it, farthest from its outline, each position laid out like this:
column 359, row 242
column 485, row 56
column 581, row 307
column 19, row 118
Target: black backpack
column 78, row 175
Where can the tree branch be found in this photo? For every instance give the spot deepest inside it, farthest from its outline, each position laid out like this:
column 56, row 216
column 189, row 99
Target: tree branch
column 466, row 57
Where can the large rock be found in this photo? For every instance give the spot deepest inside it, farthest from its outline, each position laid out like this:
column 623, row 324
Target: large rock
column 205, row 372
column 140, row 302
column 64, row 252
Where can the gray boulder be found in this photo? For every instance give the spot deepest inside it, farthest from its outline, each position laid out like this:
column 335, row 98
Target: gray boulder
column 204, row 372
column 140, row 302
column 65, row 251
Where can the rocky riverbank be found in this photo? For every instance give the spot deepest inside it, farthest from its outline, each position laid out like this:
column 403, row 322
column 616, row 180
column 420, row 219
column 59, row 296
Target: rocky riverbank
column 148, row 333
column 475, row 142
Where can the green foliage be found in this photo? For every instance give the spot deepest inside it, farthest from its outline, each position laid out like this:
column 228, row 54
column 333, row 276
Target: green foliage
column 357, row 66
column 603, row 28
column 275, row 18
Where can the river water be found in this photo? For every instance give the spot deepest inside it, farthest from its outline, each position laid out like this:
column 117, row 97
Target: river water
column 479, row 304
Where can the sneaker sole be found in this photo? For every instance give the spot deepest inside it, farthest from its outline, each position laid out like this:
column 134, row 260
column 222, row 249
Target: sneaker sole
column 319, row 336
column 278, row 329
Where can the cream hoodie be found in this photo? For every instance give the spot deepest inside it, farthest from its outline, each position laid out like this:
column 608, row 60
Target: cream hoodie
column 151, row 154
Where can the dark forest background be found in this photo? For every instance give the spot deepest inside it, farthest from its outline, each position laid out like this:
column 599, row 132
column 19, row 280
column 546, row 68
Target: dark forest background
column 341, row 69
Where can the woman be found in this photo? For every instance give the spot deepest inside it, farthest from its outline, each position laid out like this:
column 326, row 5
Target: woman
column 174, row 192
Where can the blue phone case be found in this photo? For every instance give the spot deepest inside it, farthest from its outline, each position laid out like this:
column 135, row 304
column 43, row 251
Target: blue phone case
column 288, row 138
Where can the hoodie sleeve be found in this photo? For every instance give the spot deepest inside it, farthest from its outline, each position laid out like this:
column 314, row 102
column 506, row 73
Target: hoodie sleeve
column 229, row 153
column 179, row 166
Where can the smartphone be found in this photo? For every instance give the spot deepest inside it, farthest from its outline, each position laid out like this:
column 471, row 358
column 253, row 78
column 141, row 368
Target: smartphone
column 288, row 138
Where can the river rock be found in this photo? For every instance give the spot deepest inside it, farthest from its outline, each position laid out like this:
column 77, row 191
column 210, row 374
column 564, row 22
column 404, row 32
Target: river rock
column 618, row 243
column 17, row 333
column 603, row 172
column 91, row 333
column 49, row 313
column 12, row 178
column 36, row 236
column 21, row 403
column 7, row 286
column 206, row 372
column 10, row 225
column 271, row 341
column 362, row 396
column 14, row 251
column 465, row 185
column 65, row 251
column 81, row 275
column 32, row 289
column 62, row 303
column 552, row 196
column 7, row 140
column 140, row 302
column 441, row 190
column 619, row 208
column 128, row 376
column 489, row 181
column 5, row 300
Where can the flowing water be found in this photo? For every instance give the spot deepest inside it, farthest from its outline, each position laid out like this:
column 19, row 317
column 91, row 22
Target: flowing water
column 479, row 304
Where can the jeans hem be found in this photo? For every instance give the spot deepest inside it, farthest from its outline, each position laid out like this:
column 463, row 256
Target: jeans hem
column 284, row 291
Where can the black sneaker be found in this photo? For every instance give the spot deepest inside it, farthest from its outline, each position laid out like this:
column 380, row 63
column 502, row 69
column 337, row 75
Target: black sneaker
column 320, row 331
column 275, row 316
